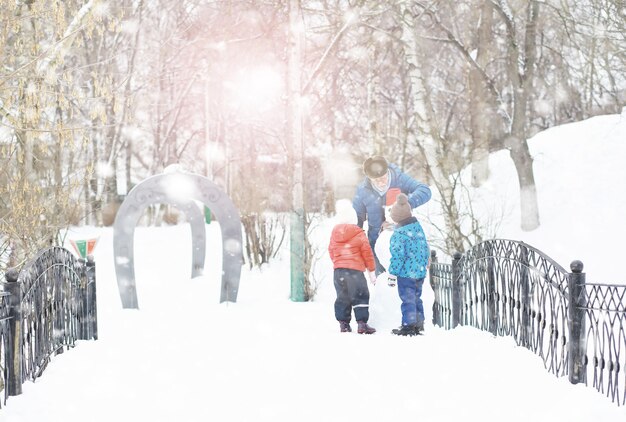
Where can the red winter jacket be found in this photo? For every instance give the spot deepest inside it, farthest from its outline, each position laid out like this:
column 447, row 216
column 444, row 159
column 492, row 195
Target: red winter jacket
column 349, row 248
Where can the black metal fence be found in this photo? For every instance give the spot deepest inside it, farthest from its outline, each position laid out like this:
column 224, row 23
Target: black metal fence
column 510, row 288
column 44, row 309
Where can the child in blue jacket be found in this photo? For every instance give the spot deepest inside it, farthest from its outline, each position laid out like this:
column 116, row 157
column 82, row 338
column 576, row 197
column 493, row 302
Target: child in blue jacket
column 408, row 265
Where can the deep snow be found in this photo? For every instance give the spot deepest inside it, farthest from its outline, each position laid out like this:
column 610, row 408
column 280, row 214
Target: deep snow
column 183, row 356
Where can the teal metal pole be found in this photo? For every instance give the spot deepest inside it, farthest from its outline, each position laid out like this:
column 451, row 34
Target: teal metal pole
column 297, row 255
column 296, row 151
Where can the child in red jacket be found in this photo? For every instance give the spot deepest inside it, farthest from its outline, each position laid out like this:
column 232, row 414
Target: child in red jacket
column 351, row 254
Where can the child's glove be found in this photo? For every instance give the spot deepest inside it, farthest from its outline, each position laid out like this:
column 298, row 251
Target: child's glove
column 392, row 280
column 386, row 226
column 372, row 276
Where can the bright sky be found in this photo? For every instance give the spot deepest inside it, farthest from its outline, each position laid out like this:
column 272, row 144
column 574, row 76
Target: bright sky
column 183, row 356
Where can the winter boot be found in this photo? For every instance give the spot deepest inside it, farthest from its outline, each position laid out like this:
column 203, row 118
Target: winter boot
column 365, row 329
column 344, row 326
column 406, row 330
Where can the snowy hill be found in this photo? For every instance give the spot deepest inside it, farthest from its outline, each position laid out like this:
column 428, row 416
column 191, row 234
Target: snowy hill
column 580, row 177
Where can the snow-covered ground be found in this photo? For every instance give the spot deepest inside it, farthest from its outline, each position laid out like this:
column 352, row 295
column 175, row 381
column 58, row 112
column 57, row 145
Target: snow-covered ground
column 184, row 356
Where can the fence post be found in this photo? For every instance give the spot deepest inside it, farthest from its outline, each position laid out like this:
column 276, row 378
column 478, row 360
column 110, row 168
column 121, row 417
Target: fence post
column 85, row 316
column 92, row 302
column 435, row 286
column 83, row 333
column 576, row 321
column 492, row 295
column 14, row 352
column 525, row 299
column 457, row 290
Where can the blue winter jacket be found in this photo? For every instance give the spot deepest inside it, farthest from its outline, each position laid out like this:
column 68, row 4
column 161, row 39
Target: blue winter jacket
column 369, row 203
column 409, row 250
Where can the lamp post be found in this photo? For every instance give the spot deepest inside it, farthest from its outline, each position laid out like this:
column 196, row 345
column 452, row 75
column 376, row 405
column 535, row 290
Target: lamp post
column 294, row 133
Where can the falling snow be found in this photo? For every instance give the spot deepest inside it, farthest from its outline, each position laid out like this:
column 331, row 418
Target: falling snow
column 264, row 357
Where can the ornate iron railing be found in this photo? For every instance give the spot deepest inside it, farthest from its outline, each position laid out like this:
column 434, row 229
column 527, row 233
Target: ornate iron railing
column 49, row 305
column 441, row 282
column 604, row 308
column 5, row 343
column 510, row 288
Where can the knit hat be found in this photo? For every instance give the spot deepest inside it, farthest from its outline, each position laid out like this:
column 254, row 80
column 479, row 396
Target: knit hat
column 345, row 213
column 375, row 167
column 401, row 210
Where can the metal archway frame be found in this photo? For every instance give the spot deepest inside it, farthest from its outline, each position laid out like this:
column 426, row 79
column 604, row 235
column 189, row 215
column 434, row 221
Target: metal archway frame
column 158, row 190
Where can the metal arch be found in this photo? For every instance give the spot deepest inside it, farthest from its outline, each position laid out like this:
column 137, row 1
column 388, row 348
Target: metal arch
column 154, row 190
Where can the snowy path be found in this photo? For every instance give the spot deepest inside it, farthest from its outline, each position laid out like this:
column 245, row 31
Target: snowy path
column 185, row 357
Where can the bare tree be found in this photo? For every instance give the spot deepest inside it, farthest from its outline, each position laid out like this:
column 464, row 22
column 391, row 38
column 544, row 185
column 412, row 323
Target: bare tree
column 43, row 125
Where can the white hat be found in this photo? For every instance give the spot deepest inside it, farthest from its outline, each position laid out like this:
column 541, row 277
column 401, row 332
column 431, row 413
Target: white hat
column 345, row 213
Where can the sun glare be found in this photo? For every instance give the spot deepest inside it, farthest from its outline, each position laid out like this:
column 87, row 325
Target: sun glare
column 257, row 88
column 179, row 186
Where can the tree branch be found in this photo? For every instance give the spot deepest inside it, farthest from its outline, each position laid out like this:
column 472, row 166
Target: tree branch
column 330, row 47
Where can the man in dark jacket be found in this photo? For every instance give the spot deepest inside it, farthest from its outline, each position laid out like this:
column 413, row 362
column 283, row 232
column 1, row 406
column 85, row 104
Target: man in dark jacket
column 370, row 197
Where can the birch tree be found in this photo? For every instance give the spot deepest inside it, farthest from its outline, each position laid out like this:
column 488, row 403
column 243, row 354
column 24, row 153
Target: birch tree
column 427, row 136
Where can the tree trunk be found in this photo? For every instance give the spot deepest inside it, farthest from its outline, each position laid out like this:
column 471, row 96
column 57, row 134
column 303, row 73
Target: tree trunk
column 521, row 81
column 374, row 141
column 427, row 142
column 528, row 192
column 127, row 98
column 480, row 100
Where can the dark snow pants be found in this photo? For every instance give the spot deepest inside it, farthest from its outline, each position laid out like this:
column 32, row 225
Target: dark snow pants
column 410, row 291
column 352, row 293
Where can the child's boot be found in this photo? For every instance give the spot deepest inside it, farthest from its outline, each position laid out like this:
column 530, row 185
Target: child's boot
column 344, row 326
column 365, row 329
column 406, row 330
